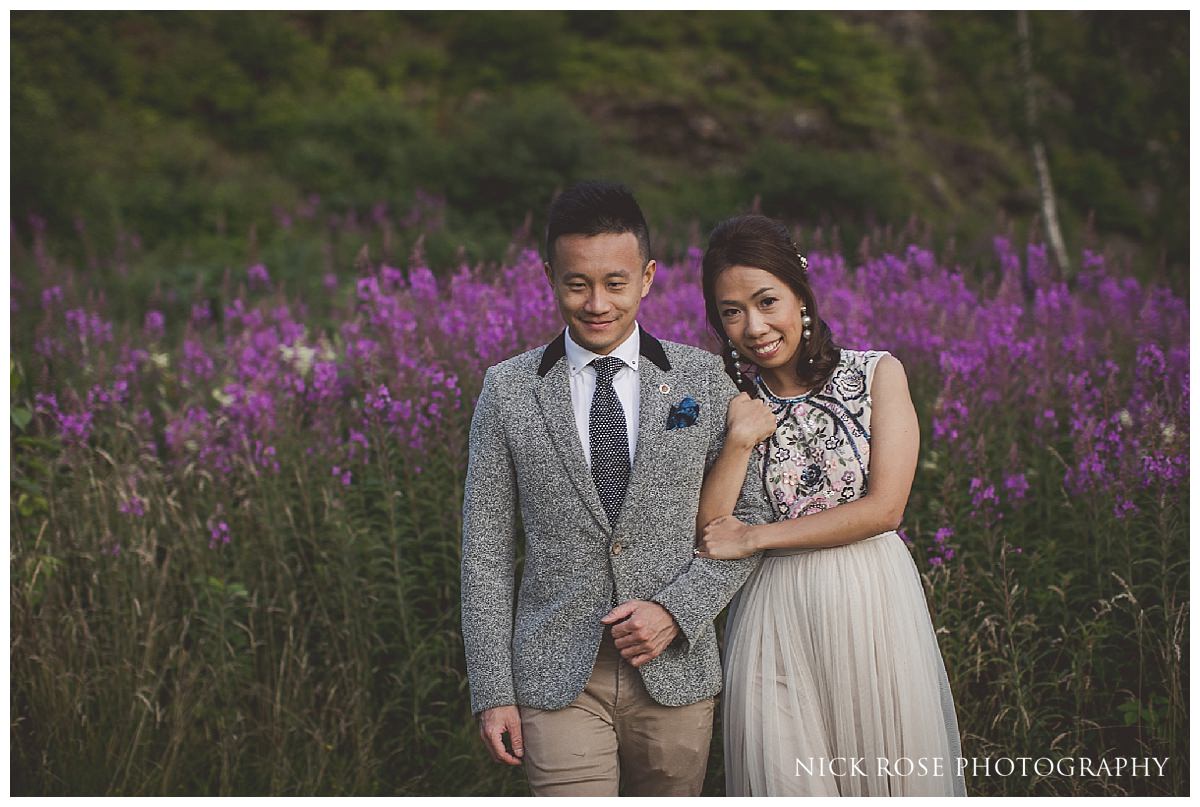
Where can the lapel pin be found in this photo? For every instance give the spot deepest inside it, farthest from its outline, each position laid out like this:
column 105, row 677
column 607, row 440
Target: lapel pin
column 665, row 389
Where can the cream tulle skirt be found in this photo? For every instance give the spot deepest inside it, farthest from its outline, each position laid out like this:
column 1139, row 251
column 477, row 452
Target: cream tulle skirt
column 834, row 684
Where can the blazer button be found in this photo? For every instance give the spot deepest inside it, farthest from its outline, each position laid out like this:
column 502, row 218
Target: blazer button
column 617, row 548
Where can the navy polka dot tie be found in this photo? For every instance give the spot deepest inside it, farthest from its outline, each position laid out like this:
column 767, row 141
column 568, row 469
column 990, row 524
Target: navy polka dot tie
column 609, row 439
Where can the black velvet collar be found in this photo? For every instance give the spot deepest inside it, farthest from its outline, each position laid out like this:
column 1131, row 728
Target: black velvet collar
column 650, row 347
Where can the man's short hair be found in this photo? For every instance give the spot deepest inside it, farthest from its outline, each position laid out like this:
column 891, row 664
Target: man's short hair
column 596, row 208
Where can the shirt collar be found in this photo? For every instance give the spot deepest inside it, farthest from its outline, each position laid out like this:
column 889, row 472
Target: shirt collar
column 628, row 351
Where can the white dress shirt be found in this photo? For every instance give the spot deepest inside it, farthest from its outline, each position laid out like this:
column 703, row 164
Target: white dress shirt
column 625, row 384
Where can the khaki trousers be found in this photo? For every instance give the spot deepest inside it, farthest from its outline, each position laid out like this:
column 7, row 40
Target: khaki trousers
column 614, row 739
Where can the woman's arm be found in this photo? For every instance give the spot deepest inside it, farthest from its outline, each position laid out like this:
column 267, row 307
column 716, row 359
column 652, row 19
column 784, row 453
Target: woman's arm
column 895, row 443
column 748, row 423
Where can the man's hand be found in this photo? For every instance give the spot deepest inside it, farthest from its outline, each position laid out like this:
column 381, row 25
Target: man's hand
column 493, row 724
column 641, row 630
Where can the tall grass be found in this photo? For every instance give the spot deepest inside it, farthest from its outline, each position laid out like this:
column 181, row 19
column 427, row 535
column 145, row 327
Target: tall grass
column 235, row 527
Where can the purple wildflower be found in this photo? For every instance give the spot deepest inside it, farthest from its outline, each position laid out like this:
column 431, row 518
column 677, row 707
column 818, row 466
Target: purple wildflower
column 258, row 276
column 1017, row 486
column 155, row 323
column 133, row 506
column 201, row 312
column 1125, row 508
column 218, row 534
column 52, row 295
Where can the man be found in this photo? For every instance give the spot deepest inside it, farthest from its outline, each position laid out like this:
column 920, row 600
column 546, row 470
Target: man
column 606, row 680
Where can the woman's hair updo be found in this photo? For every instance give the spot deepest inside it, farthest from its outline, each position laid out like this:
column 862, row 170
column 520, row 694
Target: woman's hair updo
column 762, row 243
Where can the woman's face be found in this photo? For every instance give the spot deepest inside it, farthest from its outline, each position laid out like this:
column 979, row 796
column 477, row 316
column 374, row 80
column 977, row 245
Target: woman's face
column 761, row 315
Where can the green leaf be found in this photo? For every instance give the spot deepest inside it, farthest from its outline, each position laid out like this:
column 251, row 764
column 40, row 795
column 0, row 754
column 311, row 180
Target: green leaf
column 48, row 443
column 21, row 417
column 31, row 505
column 31, row 488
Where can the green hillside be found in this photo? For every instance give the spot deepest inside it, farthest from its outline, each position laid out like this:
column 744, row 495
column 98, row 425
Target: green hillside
column 191, row 128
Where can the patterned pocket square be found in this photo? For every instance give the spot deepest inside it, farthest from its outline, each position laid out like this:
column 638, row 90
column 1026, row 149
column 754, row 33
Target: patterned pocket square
column 683, row 414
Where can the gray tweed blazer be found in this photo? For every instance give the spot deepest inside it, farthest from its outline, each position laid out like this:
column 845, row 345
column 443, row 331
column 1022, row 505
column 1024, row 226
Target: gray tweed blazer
column 526, row 460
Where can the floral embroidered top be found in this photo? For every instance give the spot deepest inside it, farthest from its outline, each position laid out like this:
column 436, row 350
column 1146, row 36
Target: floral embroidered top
column 818, row 456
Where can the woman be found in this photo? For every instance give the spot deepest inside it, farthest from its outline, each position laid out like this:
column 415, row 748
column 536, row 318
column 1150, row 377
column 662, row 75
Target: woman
column 834, row 681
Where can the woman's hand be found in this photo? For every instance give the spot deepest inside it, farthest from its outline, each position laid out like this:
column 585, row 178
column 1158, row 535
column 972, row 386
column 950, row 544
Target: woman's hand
column 725, row 538
column 749, row 421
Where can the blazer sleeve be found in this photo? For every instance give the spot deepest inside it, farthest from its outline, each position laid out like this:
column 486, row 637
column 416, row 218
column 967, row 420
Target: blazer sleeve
column 706, row 586
column 489, row 555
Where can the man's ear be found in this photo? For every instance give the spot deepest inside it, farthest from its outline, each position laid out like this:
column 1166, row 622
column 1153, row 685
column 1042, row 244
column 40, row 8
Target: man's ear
column 648, row 276
column 549, row 272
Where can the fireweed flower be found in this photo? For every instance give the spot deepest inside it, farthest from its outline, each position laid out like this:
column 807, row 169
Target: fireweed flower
column 98, row 397
column 423, row 283
column 75, row 428
column 1124, row 508
column 1046, row 419
column 356, row 446
column 950, row 421
column 154, row 324
column 48, row 347
column 51, row 296
column 201, row 312
column 218, row 533
column 941, row 552
column 258, row 277
column 1017, row 486
column 392, row 277
column 984, row 501
column 89, row 327
column 45, row 403
column 264, row 456
column 196, row 365
column 133, row 506
column 1057, row 365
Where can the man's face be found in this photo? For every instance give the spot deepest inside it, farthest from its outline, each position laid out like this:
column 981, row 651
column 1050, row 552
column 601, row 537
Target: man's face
column 599, row 282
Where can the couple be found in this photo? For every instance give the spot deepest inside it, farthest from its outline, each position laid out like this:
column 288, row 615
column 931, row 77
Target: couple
column 650, row 492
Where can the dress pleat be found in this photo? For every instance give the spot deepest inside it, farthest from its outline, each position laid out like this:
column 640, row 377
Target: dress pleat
column 832, row 666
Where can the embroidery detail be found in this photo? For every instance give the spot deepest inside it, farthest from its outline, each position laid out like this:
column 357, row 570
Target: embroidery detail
column 820, row 452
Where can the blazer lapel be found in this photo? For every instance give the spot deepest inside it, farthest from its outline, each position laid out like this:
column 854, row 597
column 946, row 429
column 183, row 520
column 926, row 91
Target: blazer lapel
column 654, row 374
column 655, row 405
column 554, row 397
